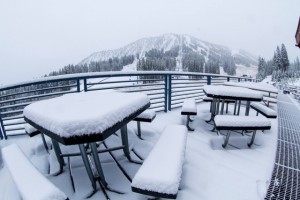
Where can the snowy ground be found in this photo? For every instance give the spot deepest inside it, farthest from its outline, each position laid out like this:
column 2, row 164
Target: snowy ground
column 209, row 171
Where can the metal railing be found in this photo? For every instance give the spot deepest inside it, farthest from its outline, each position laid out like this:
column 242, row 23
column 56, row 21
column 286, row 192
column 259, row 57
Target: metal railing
column 166, row 90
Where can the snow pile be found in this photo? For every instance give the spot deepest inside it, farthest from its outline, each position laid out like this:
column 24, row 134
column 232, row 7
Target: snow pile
column 84, row 113
column 256, row 86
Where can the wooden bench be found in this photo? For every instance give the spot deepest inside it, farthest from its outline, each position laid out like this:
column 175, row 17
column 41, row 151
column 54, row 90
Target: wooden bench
column 264, row 110
column 236, row 122
column 30, row 182
column 268, row 100
column 160, row 174
column 189, row 108
column 146, row 116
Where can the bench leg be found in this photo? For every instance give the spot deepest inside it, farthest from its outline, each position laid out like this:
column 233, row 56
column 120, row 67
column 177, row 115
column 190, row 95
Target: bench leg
column 226, row 139
column 252, row 139
column 188, row 123
column 139, row 133
column 87, row 165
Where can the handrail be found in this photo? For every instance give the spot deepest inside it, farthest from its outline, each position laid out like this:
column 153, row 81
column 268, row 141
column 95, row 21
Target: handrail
column 166, row 89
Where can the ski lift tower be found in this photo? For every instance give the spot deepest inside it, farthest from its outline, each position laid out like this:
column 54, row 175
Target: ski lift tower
column 297, row 36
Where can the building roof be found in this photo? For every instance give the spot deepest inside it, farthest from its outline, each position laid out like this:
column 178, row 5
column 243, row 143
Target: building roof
column 297, row 36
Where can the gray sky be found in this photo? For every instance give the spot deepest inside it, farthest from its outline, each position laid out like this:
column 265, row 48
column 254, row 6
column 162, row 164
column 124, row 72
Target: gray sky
column 39, row 36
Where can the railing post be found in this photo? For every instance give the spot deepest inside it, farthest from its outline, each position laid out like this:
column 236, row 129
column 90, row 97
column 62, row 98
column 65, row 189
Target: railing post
column 228, row 79
column 208, row 80
column 78, row 85
column 2, row 130
column 166, row 93
column 85, row 84
column 170, row 92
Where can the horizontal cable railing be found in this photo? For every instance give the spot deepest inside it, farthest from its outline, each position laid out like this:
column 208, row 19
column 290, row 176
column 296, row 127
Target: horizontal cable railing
column 166, row 90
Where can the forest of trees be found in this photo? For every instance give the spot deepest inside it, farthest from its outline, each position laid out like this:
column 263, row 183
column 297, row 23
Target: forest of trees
column 112, row 64
column 279, row 66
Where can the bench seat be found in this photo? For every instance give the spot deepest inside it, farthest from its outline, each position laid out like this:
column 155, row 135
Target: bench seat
column 264, row 110
column 268, row 100
column 160, row 174
column 236, row 122
column 31, row 184
column 146, row 116
column 31, row 132
column 189, row 108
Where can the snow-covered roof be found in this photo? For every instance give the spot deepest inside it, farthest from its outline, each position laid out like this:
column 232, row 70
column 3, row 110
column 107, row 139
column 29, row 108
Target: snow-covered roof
column 84, row 113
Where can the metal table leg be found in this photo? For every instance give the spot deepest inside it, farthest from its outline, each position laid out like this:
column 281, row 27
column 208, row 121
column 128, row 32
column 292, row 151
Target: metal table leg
column 98, row 163
column 57, row 152
column 87, row 165
column 125, row 143
column 247, row 108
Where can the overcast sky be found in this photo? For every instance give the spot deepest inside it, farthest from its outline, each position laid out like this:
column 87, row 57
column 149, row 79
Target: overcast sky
column 39, row 36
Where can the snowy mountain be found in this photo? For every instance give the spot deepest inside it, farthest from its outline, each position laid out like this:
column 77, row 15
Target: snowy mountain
column 184, row 44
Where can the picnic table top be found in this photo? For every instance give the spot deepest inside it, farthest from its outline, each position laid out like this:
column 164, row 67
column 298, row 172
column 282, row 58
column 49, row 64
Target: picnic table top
column 231, row 92
column 85, row 117
column 254, row 86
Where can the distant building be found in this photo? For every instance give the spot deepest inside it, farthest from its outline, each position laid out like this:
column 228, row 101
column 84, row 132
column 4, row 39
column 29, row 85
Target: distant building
column 297, row 36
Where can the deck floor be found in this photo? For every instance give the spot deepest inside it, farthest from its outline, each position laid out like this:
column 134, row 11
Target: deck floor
column 285, row 180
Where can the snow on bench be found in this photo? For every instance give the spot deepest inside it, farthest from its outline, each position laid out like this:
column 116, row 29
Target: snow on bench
column 160, row 174
column 268, row 100
column 31, row 184
column 264, row 110
column 189, row 108
column 236, row 122
column 146, row 116
column 31, row 131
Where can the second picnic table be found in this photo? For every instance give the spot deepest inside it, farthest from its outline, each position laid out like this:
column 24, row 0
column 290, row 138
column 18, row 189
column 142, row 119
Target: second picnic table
column 219, row 93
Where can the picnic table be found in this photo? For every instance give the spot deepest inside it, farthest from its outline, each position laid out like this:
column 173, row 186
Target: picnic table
column 220, row 93
column 262, row 87
column 85, row 118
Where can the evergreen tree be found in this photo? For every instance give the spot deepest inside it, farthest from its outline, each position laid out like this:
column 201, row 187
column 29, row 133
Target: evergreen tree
column 284, row 58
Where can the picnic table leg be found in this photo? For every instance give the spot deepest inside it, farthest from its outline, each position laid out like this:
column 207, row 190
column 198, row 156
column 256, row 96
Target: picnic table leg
column 213, row 110
column 57, row 152
column 235, row 104
column 247, row 108
column 222, row 107
column 125, row 143
column 87, row 165
column 239, row 107
column 98, row 164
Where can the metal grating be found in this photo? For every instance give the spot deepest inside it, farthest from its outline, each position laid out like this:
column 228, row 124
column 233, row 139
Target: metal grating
column 285, row 181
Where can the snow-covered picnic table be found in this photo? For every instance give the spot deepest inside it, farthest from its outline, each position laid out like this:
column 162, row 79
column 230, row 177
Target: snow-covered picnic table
column 263, row 87
column 220, row 93
column 87, row 117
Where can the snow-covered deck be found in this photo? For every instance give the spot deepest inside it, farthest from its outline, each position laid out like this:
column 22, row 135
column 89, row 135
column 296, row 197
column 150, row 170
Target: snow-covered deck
column 209, row 171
